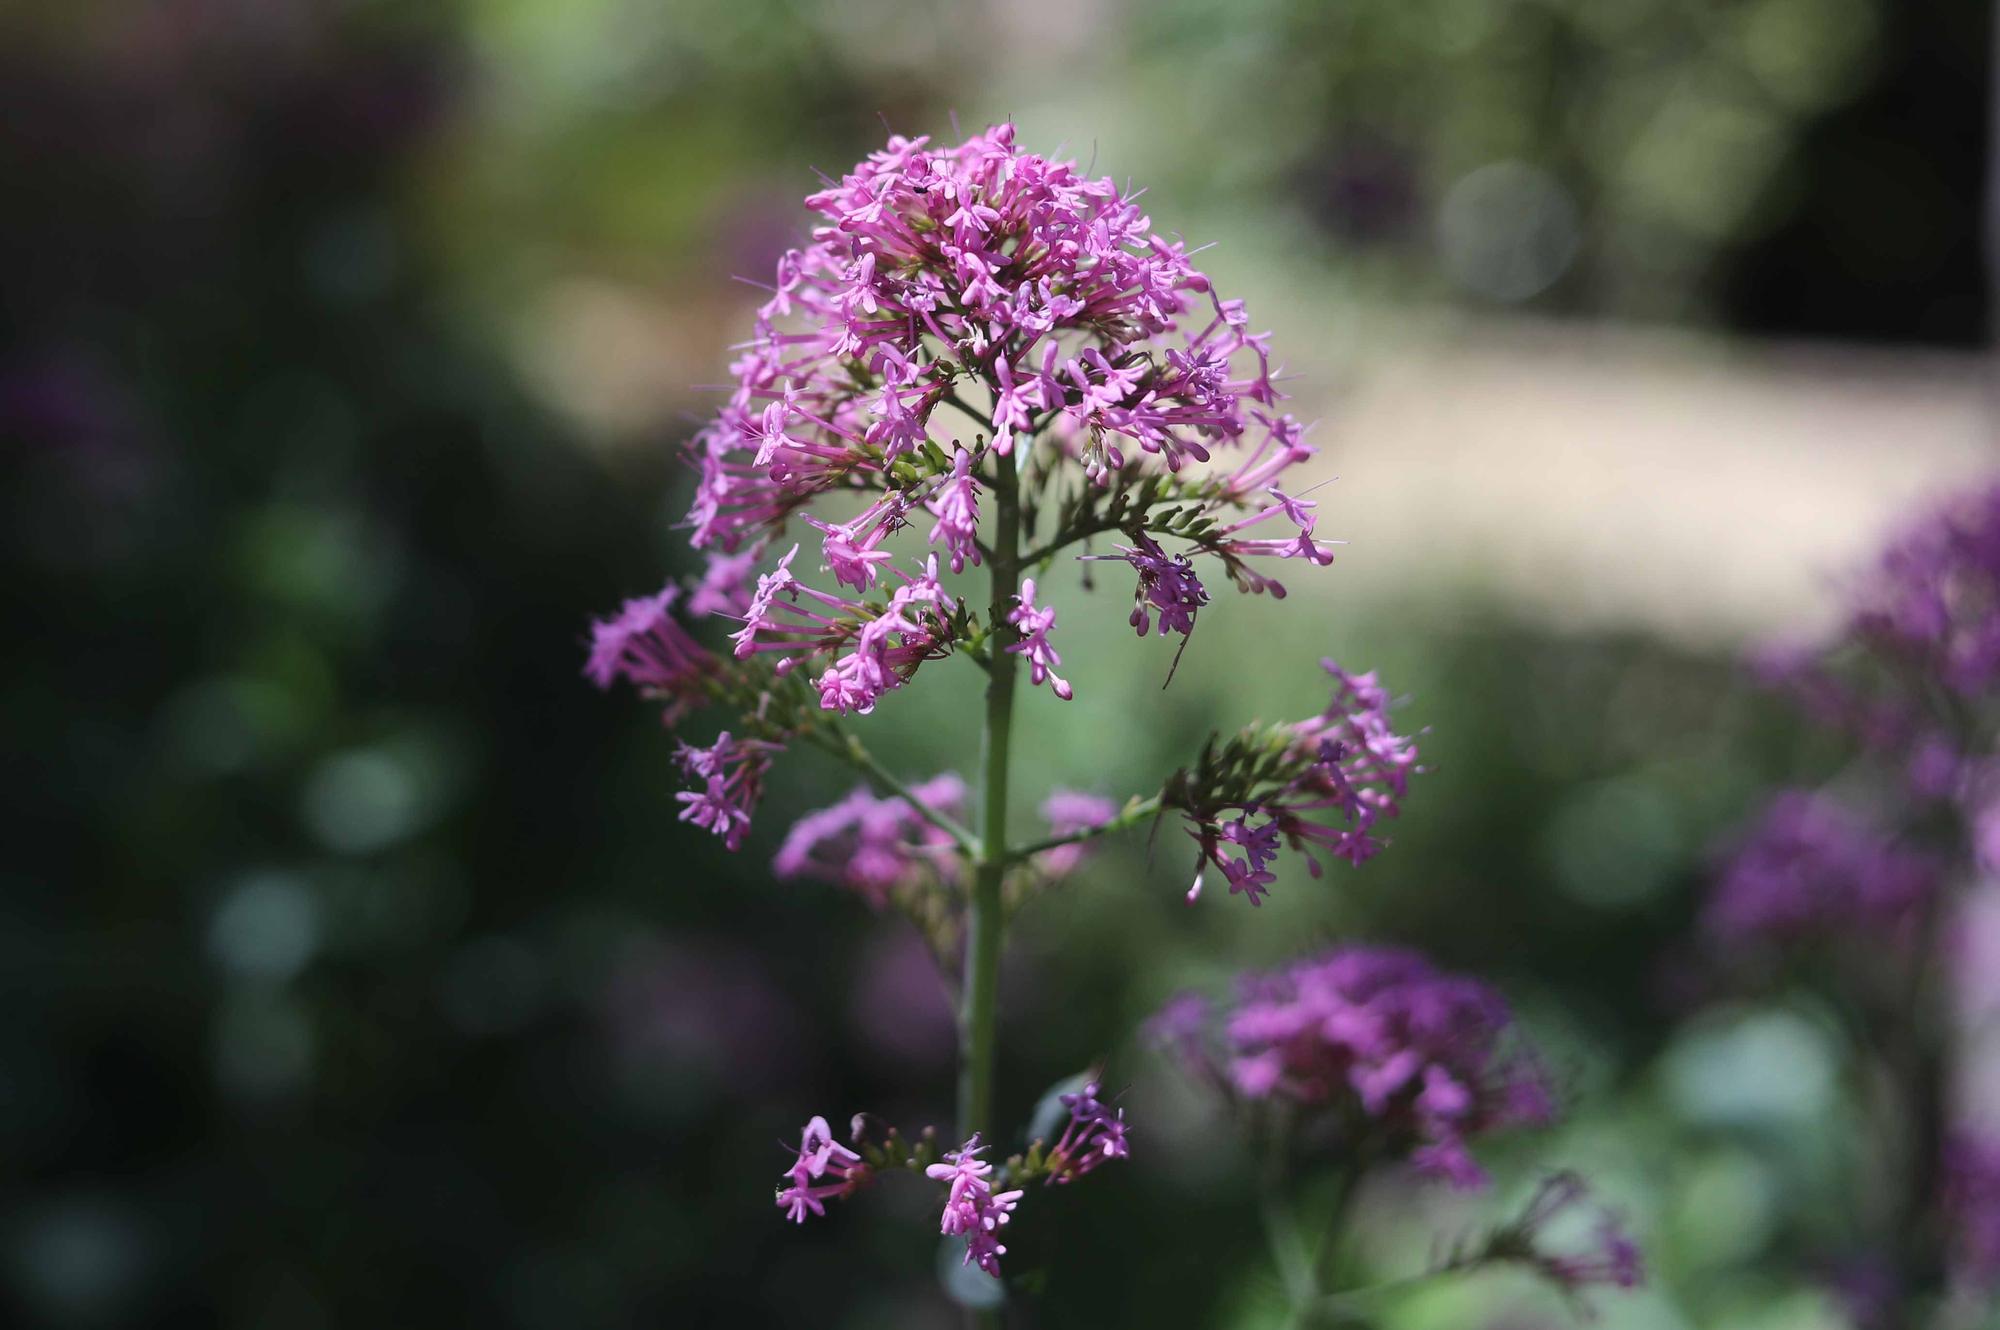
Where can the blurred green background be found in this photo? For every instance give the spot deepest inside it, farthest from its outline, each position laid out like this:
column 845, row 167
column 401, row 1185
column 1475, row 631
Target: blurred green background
column 357, row 971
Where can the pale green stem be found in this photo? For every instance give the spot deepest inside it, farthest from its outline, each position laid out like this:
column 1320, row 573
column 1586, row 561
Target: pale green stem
column 1129, row 816
column 985, row 921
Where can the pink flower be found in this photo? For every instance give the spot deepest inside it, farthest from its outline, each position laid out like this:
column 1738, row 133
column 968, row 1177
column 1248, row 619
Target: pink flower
column 1167, row 584
column 1094, row 1135
column 643, row 645
column 820, row 1156
column 972, row 1208
column 1346, row 764
column 729, row 776
column 1034, row 626
column 955, row 504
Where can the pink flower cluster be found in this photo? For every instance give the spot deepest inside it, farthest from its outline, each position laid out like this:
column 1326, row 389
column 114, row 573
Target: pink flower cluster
column 869, row 647
column 1348, row 761
column 645, row 646
column 972, row 1209
column 819, row 1156
column 1094, row 1135
column 728, row 778
column 875, row 846
column 1377, row 1036
column 1040, row 307
column 978, row 264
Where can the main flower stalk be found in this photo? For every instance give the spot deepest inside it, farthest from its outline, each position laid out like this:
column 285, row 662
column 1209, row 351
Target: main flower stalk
column 979, row 1002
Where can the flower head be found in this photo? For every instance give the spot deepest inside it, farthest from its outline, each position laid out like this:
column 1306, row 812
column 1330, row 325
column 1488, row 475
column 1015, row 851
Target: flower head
column 1372, row 1035
column 972, row 1209
column 1920, row 640
column 1167, row 586
column 728, row 778
column 1094, row 1135
column 1034, row 626
column 819, row 1156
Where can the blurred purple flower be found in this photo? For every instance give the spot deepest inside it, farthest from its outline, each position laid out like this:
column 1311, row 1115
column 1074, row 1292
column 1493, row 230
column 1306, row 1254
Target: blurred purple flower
column 1810, row 865
column 1610, row 1259
column 874, row 846
column 1426, row 1059
column 1971, row 1188
column 646, row 647
column 1066, row 812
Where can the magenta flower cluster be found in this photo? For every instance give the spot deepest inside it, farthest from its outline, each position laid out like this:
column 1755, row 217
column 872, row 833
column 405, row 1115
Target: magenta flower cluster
column 1348, row 763
column 972, row 1209
column 1094, row 1135
column 981, row 264
column 1812, row 866
column 878, row 846
column 1428, row 1061
column 644, row 645
column 960, row 309
column 819, row 1157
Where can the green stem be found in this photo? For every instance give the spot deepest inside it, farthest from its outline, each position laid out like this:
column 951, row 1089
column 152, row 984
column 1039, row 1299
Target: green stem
column 1130, row 816
column 978, row 1010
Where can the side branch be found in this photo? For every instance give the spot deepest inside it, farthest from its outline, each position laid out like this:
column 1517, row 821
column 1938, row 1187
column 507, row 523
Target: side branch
column 1134, row 812
column 850, row 750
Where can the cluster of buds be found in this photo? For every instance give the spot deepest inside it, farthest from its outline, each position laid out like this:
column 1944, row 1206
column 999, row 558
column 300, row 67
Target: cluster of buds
column 1406, row 1061
column 972, row 1209
column 1269, row 786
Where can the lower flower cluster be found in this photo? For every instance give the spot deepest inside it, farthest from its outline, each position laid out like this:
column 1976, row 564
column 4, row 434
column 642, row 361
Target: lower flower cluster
column 1424, row 1061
